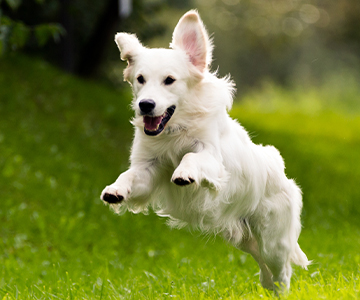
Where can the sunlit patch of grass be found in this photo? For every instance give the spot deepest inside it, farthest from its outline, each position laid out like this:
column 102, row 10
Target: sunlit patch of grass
column 338, row 92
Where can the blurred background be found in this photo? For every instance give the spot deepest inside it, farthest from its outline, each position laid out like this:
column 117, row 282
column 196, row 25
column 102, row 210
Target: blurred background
column 287, row 42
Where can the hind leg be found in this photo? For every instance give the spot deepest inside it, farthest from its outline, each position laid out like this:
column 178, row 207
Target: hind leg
column 276, row 255
column 276, row 241
column 251, row 246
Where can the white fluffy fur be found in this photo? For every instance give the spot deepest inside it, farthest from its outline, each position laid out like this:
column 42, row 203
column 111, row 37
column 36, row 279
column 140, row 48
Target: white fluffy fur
column 240, row 189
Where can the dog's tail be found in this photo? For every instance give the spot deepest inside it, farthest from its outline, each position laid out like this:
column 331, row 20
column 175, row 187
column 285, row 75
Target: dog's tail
column 299, row 258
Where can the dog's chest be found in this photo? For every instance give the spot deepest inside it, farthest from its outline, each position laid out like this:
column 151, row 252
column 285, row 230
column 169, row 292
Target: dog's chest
column 169, row 150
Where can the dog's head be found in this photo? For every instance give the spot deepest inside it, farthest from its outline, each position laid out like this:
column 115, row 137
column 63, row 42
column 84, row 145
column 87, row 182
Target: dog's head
column 161, row 78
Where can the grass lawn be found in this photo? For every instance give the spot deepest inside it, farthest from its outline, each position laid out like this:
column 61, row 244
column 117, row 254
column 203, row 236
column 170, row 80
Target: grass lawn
column 63, row 139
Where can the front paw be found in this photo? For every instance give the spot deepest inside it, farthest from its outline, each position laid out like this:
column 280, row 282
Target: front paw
column 182, row 177
column 186, row 176
column 112, row 199
column 182, row 181
column 113, row 195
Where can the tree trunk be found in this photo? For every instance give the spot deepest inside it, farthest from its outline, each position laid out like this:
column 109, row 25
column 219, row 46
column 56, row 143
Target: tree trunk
column 67, row 42
column 92, row 52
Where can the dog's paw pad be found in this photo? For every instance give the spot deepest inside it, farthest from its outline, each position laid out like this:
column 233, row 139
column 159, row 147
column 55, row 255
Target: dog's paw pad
column 182, row 182
column 112, row 199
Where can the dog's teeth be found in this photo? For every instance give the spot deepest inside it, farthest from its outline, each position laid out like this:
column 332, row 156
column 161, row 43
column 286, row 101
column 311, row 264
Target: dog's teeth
column 154, row 129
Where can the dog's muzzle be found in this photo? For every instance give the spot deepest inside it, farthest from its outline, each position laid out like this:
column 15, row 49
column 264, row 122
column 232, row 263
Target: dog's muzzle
column 154, row 125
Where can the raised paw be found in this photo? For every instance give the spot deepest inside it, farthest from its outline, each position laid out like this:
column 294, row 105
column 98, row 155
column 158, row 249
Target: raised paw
column 182, row 181
column 112, row 199
column 113, row 195
column 183, row 175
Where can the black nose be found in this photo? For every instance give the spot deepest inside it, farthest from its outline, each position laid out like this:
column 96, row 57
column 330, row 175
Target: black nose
column 146, row 106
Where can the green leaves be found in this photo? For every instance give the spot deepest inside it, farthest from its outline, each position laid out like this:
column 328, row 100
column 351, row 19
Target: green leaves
column 44, row 32
column 19, row 34
column 15, row 34
column 14, row 4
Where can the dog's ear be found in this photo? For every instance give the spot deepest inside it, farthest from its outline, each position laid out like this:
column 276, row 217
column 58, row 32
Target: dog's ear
column 190, row 35
column 128, row 45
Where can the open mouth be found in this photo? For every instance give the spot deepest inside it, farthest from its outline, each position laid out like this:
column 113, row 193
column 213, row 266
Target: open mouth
column 155, row 125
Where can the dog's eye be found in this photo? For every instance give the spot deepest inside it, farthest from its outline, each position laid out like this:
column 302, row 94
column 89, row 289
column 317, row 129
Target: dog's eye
column 169, row 80
column 141, row 79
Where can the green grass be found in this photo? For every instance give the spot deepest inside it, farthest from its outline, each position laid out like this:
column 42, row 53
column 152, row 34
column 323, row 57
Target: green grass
column 63, row 139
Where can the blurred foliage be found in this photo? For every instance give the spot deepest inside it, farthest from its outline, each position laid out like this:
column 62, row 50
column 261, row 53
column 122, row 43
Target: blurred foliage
column 286, row 41
column 290, row 42
column 338, row 93
column 15, row 34
column 82, row 32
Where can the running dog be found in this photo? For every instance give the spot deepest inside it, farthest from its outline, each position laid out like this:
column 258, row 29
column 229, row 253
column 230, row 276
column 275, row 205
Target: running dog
column 195, row 165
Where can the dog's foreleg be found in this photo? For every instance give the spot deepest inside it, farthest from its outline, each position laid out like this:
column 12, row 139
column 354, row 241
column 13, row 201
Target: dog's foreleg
column 134, row 183
column 201, row 168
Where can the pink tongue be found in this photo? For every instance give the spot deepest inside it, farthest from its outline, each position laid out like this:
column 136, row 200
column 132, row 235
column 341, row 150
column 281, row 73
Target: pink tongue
column 151, row 123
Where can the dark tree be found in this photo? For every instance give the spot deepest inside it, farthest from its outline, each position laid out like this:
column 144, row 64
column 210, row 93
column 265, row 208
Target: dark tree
column 93, row 50
column 84, row 32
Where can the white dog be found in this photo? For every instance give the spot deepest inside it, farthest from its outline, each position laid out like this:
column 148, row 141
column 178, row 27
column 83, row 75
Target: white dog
column 192, row 163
